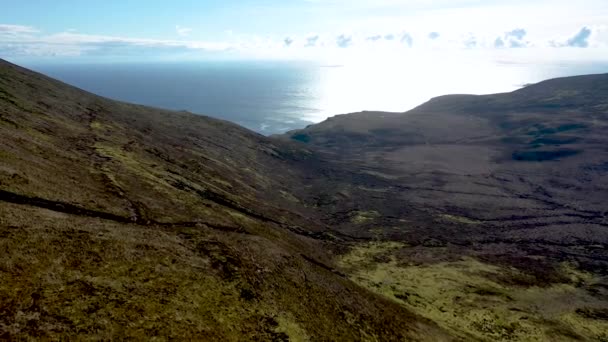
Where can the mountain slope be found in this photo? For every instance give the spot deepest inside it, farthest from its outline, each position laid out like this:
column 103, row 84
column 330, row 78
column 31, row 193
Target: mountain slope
column 119, row 221
column 515, row 181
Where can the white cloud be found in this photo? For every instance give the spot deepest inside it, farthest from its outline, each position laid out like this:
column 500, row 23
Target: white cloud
column 512, row 39
column 407, row 39
column 344, row 41
column 18, row 40
column 499, row 43
column 312, row 41
column 182, row 31
column 14, row 30
column 581, row 39
column 471, row 42
column 70, row 43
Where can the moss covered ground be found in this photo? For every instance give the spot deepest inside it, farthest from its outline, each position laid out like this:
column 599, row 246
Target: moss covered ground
column 467, row 298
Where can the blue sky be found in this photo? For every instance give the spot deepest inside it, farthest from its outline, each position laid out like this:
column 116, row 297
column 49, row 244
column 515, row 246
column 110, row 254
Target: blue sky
column 326, row 30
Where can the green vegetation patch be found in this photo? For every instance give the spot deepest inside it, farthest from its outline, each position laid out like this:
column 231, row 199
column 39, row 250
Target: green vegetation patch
column 288, row 325
column 104, row 126
column 465, row 297
column 360, row 217
column 364, row 255
column 289, row 196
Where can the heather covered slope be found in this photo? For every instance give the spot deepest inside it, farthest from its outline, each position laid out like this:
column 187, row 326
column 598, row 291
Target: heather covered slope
column 119, row 220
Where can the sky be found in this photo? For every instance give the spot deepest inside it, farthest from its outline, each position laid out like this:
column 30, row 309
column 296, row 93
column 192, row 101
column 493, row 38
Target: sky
column 329, row 31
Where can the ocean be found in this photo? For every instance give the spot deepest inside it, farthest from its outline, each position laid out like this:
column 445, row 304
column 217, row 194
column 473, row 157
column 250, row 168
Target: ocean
column 274, row 97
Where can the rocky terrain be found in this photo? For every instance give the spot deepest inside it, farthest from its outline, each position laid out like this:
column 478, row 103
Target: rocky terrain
column 467, row 218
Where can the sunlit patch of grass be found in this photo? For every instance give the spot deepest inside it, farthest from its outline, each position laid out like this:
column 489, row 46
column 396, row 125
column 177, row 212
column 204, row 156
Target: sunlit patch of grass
column 597, row 329
column 289, row 326
column 364, row 255
column 288, row 196
column 138, row 166
column 360, row 217
column 222, row 182
column 241, row 218
column 466, row 297
column 125, row 168
column 107, row 127
column 158, row 190
column 576, row 276
column 116, row 153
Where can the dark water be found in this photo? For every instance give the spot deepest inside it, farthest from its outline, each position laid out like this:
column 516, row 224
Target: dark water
column 273, row 97
column 268, row 98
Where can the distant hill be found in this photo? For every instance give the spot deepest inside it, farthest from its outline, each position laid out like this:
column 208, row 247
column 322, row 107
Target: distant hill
column 467, row 218
column 533, row 158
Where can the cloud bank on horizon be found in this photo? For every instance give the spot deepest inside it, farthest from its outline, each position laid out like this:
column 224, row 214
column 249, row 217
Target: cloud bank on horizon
column 327, row 30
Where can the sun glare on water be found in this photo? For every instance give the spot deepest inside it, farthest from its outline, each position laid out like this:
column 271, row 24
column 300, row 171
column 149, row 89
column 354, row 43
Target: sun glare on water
column 401, row 83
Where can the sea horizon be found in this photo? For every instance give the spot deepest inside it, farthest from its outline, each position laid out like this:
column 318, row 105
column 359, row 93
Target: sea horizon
column 273, row 97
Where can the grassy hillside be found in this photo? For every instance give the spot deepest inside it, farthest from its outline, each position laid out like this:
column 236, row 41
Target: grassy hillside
column 468, row 218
